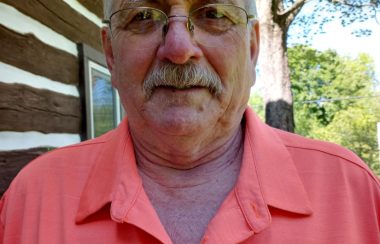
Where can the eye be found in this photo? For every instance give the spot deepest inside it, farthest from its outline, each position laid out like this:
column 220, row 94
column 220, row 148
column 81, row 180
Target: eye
column 143, row 21
column 213, row 14
column 213, row 19
column 143, row 15
column 210, row 13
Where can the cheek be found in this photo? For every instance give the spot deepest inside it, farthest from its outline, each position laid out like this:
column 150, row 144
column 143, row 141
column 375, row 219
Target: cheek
column 229, row 57
column 233, row 64
column 131, row 66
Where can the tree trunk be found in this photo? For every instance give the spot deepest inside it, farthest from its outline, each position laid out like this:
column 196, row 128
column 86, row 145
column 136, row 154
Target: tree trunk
column 274, row 69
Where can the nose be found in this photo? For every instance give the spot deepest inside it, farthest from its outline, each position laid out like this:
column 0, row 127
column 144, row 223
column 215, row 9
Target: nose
column 178, row 46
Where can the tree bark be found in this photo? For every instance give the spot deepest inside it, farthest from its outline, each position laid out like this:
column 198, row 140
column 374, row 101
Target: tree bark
column 274, row 69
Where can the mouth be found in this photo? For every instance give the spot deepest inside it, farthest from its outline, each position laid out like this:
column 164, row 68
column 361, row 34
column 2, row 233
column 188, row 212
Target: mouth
column 182, row 88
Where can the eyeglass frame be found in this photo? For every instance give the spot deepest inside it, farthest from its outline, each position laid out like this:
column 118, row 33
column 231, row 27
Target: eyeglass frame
column 189, row 24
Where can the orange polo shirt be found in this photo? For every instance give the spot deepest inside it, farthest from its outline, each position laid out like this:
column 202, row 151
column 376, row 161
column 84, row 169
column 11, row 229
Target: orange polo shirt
column 290, row 190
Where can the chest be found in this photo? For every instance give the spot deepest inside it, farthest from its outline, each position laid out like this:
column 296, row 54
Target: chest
column 186, row 213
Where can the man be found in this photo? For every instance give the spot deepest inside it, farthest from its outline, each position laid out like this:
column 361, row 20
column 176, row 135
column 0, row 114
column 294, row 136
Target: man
column 191, row 163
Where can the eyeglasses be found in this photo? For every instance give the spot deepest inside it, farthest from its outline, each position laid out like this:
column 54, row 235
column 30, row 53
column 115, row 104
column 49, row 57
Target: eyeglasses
column 210, row 22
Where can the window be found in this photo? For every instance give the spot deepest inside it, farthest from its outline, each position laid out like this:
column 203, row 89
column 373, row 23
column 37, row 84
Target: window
column 103, row 109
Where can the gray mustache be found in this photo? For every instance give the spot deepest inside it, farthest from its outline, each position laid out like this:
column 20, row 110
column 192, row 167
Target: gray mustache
column 181, row 77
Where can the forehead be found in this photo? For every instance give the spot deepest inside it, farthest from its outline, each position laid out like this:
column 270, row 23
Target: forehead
column 188, row 3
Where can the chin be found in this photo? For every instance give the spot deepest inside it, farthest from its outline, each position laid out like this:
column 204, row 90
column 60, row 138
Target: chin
column 180, row 121
column 181, row 113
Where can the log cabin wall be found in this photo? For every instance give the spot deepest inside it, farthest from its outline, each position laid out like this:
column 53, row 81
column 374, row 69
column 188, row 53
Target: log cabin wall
column 41, row 95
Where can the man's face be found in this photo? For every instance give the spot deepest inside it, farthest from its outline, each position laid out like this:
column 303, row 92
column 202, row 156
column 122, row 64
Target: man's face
column 152, row 72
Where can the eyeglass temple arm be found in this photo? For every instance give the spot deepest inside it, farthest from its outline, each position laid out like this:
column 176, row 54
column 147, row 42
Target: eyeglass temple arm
column 251, row 16
column 106, row 22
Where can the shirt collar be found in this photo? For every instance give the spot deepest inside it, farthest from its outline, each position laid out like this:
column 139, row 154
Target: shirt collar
column 114, row 177
column 280, row 183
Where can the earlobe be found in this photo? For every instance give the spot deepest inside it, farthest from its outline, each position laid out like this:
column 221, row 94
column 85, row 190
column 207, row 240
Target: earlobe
column 107, row 48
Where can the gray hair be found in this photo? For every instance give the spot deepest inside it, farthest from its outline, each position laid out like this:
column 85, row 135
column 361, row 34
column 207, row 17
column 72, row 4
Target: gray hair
column 107, row 4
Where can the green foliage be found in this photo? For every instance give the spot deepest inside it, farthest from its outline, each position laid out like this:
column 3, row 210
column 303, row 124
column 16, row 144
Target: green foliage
column 354, row 128
column 256, row 102
column 335, row 100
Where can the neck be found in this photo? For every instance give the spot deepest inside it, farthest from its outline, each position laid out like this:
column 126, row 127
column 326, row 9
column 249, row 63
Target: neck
column 187, row 198
column 166, row 170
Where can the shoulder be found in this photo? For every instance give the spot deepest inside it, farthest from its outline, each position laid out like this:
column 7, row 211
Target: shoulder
column 291, row 140
column 326, row 156
column 69, row 165
column 58, row 177
column 76, row 155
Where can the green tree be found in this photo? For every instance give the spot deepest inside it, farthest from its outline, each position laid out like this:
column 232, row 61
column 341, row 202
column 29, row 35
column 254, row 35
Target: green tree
column 335, row 100
column 354, row 128
column 256, row 102
column 276, row 19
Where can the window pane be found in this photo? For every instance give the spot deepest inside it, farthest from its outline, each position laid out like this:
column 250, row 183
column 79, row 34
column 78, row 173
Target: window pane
column 103, row 103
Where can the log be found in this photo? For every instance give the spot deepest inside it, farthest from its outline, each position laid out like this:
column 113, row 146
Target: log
column 11, row 162
column 95, row 6
column 60, row 17
column 23, row 108
column 28, row 53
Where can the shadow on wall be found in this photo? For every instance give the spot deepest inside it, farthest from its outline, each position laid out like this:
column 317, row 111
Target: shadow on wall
column 279, row 115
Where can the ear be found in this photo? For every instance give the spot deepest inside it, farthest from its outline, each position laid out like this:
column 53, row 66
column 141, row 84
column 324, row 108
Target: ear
column 107, row 48
column 255, row 42
column 254, row 48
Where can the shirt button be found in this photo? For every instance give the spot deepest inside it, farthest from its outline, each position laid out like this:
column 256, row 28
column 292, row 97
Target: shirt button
column 255, row 209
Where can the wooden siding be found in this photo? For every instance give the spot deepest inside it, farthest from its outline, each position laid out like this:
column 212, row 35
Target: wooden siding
column 29, row 53
column 13, row 161
column 26, row 107
column 95, row 6
column 61, row 18
column 23, row 108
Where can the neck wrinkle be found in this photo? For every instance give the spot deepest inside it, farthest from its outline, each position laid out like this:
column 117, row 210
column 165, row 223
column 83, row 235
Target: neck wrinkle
column 201, row 171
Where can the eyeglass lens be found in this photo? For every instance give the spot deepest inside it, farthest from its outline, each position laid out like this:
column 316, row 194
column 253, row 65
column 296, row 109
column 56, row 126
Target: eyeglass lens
column 145, row 27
